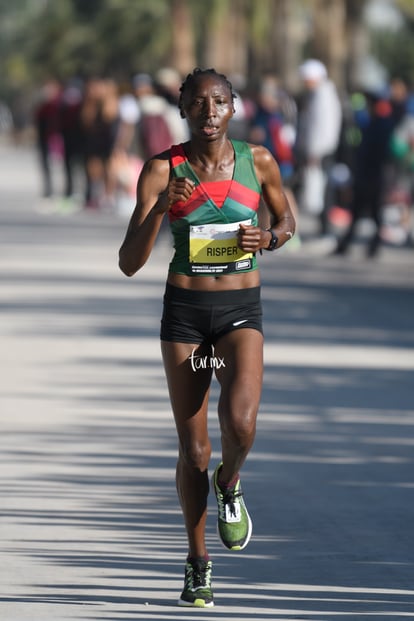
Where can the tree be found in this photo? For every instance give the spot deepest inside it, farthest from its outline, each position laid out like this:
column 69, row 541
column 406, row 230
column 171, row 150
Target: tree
column 246, row 37
column 183, row 51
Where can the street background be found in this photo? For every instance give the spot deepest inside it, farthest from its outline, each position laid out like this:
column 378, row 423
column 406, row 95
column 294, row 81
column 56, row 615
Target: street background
column 90, row 523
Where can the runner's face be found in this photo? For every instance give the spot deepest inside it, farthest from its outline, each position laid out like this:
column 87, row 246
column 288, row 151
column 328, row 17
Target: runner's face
column 208, row 107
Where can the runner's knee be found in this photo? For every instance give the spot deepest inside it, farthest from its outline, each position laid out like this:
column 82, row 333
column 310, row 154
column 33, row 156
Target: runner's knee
column 239, row 429
column 196, row 455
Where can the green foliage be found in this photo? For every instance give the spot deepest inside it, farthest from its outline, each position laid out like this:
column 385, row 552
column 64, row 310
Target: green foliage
column 407, row 7
column 63, row 38
column 396, row 52
column 80, row 37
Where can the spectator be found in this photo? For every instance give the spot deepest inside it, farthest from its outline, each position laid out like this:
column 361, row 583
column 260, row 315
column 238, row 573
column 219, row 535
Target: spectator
column 318, row 135
column 70, row 127
column 46, row 119
column 168, row 83
column 155, row 130
column 100, row 121
column 402, row 166
column 274, row 123
column 244, row 110
column 371, row 159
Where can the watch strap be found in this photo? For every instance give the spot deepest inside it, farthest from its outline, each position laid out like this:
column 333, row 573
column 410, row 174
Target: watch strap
column 273, row 241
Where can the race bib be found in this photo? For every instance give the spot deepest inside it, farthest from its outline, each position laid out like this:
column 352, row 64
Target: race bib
column 214, row 249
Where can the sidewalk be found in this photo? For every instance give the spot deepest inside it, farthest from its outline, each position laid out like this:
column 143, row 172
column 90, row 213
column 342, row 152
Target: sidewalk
column 90, row 524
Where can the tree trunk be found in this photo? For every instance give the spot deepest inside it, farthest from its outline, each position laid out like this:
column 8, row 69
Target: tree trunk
column 287, row 41
column 357, row 41
column 183, row 56
column 226, row 40
column 329, row 37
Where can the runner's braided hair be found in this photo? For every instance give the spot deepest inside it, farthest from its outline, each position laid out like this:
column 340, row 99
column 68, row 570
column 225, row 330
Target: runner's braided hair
column 192, row 78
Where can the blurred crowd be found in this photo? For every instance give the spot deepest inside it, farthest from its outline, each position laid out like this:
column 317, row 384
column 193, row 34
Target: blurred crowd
column 103, row 131
column 343, row 159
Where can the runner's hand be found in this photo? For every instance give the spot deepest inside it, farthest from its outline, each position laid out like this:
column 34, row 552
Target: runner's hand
column 179, row 189
column 251, row 238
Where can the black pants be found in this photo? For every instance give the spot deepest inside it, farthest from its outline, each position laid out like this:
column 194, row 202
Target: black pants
column 367, row 201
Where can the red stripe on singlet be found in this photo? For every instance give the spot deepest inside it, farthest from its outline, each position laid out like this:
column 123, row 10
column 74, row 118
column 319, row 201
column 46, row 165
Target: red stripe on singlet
column 245, row 196
column 183, row 208
column 177, row 156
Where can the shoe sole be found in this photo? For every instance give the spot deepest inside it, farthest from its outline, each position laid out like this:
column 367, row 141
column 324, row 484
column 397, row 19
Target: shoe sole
column 198, row 603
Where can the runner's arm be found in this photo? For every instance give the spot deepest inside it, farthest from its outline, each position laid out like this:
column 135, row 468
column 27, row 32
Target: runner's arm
column 151, row 206
column 282, row 221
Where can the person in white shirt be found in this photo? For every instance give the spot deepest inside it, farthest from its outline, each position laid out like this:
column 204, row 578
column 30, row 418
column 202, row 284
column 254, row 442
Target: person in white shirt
column 318, row 132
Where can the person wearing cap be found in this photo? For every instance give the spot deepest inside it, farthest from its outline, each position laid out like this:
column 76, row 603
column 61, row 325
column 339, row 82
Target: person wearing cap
column 318, row 132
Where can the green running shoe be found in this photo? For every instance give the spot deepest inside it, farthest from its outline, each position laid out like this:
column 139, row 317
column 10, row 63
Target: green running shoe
column 197, row 585
column 234, row 524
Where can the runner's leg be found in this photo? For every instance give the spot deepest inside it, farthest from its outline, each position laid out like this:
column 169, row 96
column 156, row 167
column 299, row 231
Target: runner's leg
column 241, row 380
column 189, row 385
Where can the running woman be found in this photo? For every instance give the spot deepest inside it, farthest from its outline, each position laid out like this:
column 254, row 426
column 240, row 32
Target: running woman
column 210, row 188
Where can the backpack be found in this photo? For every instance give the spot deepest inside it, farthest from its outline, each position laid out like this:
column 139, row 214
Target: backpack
column 155, row 134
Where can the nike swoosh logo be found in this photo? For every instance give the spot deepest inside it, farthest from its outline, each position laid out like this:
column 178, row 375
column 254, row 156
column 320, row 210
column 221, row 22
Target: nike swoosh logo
column 238, row 323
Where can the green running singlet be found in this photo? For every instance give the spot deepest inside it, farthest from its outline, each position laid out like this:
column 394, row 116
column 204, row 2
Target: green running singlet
column 205, row 235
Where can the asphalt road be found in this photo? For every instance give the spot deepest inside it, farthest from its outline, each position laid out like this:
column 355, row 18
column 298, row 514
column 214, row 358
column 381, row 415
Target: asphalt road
column 90, row 525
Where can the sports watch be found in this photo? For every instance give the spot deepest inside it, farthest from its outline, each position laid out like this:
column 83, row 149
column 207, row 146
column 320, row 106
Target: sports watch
column 273, row 242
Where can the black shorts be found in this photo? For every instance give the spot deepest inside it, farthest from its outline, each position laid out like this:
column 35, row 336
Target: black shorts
column 205, row 316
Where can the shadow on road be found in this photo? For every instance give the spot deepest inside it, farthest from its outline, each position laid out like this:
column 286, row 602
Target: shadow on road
column 91, row 520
